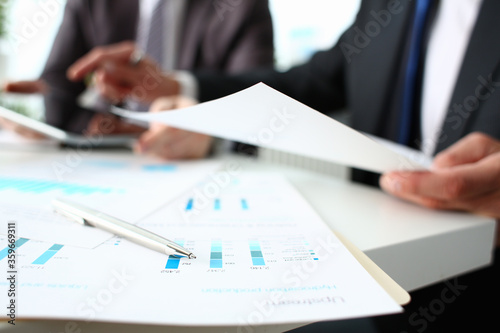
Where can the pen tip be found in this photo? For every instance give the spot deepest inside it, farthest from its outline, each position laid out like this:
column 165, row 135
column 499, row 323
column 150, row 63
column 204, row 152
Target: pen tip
column 191, row 256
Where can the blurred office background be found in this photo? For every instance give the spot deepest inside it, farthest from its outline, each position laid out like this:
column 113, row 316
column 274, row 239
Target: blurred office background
column 301, row 27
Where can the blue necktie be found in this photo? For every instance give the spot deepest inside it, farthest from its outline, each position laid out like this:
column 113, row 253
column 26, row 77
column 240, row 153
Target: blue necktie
column 419, row 21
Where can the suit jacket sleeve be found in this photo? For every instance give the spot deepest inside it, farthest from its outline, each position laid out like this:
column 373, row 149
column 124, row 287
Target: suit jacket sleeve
column 318, row 83
column 332, row 79
column 253, row 45
column 61, row 107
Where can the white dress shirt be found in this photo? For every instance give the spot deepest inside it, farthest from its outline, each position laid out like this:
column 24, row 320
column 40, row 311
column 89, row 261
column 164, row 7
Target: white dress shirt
column 447, row 46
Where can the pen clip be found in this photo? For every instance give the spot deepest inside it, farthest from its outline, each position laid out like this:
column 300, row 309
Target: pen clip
column 71, row 216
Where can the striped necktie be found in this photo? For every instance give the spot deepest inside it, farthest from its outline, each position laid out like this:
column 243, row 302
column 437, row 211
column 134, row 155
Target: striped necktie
column 154, row 46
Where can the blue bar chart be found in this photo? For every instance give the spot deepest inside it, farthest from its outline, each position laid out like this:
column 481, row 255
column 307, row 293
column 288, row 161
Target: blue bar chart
column 41, row 260
column 256, row 253
column 311, row 252
column 4, row 252
column 216, row 254
column 174, row 261
column 217, row 204
column 40, row 186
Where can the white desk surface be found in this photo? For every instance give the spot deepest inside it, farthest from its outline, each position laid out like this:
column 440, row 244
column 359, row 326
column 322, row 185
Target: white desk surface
column 414, row 245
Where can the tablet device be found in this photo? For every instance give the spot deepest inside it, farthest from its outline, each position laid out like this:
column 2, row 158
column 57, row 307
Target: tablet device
column 68, row 138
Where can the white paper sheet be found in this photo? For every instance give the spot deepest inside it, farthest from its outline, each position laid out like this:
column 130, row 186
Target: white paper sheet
column 267, row 118
column 128, row 187
column 409, row 153
column 263, row 257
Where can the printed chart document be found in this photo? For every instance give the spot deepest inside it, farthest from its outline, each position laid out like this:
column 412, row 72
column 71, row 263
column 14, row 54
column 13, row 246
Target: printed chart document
column 263, row 257
column 265, row 117
column 119, row 186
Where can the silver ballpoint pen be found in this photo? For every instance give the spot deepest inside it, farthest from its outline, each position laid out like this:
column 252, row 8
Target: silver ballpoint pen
column 94, row 218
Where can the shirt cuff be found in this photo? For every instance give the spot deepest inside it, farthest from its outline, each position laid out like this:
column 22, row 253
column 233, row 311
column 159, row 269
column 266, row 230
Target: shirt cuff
column 188, row 84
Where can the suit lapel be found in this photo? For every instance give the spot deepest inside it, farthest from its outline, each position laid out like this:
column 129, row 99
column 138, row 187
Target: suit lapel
column 480, row 61
column 383, row 64
column 111, row 21
column 197, row 14
column 127, row 19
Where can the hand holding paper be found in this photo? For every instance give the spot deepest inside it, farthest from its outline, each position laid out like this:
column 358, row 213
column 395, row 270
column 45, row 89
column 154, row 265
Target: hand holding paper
column 464, row 177
column 264, row 117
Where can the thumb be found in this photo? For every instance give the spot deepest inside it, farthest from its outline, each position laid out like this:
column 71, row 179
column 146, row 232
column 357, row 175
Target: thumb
column 171, row 103
column 470, row 149
column 159, row 105
column 163, row 104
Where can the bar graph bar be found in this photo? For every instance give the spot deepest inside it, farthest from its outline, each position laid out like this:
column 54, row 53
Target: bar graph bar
column 42, row 260
column 256, row 253
column 189, row 205
column 216, row 254
column 244, row 204
column 41, row 186
column 217, row 204
column 159, row 167
column 311, row 252
column 17, row 244
column 173, row 261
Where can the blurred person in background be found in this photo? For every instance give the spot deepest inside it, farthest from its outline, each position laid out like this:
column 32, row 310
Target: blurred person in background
column 154, row 38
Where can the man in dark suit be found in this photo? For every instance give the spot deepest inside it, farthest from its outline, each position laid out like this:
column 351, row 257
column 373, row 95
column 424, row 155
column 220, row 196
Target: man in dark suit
column 212, row 36
column 222, row 36
column 363, row 73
